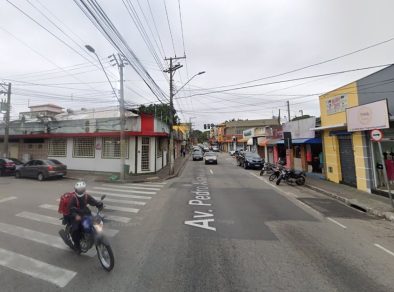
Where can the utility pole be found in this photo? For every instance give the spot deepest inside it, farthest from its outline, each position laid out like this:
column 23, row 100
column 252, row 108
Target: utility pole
column 171, row 70
column 7, row 116
column 120, row 64
column 279, row 117
column 288, row 110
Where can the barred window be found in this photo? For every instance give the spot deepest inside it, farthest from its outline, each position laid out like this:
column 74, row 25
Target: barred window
column 84, row 147
column 57, row 147
column 111, row 147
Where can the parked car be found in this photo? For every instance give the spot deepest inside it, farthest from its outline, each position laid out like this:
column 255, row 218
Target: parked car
column 7, row 166
column 18, row 163
column 197, row 155
column 251, row 160
column 211, row 157
column 42, row 169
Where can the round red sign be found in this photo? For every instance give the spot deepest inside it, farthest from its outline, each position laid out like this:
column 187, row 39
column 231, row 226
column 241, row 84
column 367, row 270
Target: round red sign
column 376, row 135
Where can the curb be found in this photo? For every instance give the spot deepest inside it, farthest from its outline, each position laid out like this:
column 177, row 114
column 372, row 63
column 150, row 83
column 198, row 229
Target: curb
column 180, row 169
column 354, row 203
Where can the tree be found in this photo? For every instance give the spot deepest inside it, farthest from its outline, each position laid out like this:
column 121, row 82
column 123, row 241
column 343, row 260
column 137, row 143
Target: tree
column 201, row 136
column 161, row 111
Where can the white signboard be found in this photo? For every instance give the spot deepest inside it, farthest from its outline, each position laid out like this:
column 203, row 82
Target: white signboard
column 369, row 116
column 301, row 128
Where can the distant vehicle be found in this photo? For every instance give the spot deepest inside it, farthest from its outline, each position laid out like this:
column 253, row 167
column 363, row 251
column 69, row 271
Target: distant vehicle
column 211, row 157
column 215, row 148
column 206, row 149
column 197, row 155
column 18, row 163
column 42, row 169
column 7, row 166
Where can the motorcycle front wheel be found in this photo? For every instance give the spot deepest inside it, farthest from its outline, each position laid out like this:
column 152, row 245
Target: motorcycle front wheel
column 300, row 181
column 273, row 177
column 105, row 256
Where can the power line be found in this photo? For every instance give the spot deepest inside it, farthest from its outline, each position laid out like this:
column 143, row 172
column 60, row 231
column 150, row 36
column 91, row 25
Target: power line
column 180, row 19
column 169, row 26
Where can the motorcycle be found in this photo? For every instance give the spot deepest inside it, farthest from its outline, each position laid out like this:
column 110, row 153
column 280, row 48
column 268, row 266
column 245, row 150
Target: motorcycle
column 92, row 234
column 276, row 172
column 268, row 168
column 292, row 177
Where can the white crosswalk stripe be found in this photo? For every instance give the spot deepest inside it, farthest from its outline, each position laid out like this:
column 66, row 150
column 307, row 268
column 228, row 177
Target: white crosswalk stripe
column 7, row 199
column 55, row 221
column 120, row 195
column 149, row 185
column 131, row 187
column 39, row 237
column 122, row 209
column 108, row 217
column 123, row 201
column 35, row 268
column 125, row 191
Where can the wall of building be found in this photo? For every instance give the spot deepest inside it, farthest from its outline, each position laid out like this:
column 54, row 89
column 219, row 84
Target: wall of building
column 360, row 152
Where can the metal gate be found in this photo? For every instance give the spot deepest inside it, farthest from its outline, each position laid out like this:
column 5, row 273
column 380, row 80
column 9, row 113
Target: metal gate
column 145, row 145
column 346, row 156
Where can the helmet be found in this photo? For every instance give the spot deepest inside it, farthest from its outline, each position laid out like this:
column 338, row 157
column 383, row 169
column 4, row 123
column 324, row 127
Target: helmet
column 80, row 188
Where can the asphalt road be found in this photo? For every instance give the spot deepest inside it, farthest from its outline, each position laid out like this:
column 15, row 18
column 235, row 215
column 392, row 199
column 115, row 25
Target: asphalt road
column 214, row 228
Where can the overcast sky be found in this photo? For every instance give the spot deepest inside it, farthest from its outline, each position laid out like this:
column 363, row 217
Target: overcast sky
column 234, row 41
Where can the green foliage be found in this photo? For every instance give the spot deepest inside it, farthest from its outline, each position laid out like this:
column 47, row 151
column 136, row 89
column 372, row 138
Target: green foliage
column 161, row 111
column 201, row 136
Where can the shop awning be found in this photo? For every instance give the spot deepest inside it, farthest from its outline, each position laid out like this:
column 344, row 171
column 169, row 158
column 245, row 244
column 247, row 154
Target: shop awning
column 303, row 141
column 250, row 141
column 244, row 140
column 274, row 141
column 262, row 141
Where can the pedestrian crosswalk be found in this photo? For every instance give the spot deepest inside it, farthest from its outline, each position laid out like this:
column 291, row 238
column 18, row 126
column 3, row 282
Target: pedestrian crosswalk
column 122, row 203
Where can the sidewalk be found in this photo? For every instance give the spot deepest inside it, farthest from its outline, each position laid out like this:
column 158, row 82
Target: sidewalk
column 370, row 203
column 162, row 174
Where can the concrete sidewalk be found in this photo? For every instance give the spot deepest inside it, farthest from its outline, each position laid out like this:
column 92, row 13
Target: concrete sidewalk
column 161, row 175
column 376, row 205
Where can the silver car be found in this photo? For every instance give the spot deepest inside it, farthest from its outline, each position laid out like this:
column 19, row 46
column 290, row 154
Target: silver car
column 197, row 155
column 211, row 157
column 42, row 169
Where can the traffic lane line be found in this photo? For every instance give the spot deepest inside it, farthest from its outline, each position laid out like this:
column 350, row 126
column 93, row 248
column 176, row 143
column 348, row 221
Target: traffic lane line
column 384, row 249
column 7, row 199
column 211, row 171
column 336, row 222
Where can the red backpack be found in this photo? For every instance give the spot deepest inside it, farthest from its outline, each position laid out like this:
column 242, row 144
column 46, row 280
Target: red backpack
column 64, row 204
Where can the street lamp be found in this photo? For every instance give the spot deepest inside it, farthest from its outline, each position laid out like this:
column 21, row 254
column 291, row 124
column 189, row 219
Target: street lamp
column 121, row 112
column 199, row 73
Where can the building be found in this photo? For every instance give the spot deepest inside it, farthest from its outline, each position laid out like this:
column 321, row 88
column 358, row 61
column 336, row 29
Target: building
column 233, row 132
column 89, row 139
column 350, row 157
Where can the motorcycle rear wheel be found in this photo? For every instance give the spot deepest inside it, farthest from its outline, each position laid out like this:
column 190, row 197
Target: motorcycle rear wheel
column 300, row 181
column 105, row 256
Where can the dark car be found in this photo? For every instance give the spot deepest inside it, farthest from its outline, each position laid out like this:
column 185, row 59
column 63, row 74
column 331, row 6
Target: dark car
column 42, row 169
column 18, row 163
column 7, row 166
column 251, row 160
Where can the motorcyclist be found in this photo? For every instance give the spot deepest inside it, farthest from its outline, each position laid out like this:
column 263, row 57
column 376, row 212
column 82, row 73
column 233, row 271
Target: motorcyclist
column 80, row 209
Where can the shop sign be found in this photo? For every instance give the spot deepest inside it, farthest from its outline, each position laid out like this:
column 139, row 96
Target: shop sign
column 376, row 135
column 248, row 133
column 336, row 104
column 369, row 116
column 301, row 128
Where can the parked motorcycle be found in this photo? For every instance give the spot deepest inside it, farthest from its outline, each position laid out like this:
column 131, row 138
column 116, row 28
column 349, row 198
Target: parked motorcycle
column 268, row 168
column 291, row 177
column 276, row 172
column 92, row 234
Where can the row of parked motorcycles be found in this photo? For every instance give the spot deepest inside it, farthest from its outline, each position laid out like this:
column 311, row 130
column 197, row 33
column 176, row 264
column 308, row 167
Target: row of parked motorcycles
column 278, row 172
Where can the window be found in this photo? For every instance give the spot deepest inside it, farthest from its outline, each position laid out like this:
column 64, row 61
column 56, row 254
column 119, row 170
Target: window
column 111, row 148
column 145, row 166
column 57, row 147
column 83, row 147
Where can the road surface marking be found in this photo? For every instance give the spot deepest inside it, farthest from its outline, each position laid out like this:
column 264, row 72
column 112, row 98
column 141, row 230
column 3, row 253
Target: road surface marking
column 56, row 221
column 125, row 191
column 39, row 237
column 336, row 222
column 149, row 185
column 122, row 209
column 120, row 195
column 35, row 268
column 7, row 199
column 385, row 249
column 210, row 170
column 119, row 219
column 118, row 201
column 131, row 187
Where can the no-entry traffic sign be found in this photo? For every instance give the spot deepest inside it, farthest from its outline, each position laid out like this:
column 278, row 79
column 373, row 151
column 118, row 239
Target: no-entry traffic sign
column 376, row 135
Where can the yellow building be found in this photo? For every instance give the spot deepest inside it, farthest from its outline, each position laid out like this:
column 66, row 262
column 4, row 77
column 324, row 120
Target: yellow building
column 344, row 152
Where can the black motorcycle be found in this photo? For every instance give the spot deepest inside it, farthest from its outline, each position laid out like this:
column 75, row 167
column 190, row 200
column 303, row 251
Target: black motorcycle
column 268, row 168
column 292, row 177
column 92, row 234
column 276, row 172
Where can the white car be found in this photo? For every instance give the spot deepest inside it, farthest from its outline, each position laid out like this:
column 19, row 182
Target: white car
column 211, row 157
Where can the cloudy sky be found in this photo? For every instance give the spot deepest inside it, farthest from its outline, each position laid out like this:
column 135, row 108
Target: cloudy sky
column 239, row 43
